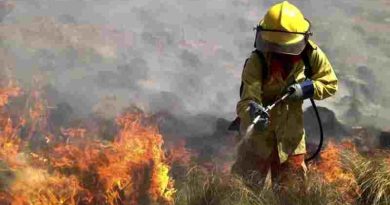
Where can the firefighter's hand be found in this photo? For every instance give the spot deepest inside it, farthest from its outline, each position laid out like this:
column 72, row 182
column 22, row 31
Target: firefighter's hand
column 301, row 91
column 257, row 110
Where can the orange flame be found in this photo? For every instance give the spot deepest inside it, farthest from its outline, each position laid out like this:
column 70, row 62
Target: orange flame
column 126, row 169
column 81, row 169
column 9, row 141
column 332, row 169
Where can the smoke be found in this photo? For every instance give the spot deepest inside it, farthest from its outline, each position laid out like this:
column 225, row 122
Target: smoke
column 184, row 57
column 353, row 34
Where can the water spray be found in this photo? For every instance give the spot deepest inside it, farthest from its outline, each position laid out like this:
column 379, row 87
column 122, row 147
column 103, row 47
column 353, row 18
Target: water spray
column 250, row 128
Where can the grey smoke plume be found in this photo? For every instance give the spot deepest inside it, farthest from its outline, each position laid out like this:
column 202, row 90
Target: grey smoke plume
column 184, row 56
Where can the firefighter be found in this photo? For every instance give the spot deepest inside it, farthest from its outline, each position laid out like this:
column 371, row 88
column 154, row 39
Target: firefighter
column 277, row 146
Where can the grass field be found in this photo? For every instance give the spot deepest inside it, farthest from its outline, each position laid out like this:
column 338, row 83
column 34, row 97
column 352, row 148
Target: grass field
column 41, row 164
column 342, row 176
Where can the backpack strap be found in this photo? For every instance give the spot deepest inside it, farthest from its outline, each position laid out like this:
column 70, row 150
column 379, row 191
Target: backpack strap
column 242, row 84
column 306, row 61
column 308, row 68
column 263, row 65
column 263, row 62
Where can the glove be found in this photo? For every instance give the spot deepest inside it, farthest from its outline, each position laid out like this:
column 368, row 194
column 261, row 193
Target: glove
column 301, row 91
column 257, row 110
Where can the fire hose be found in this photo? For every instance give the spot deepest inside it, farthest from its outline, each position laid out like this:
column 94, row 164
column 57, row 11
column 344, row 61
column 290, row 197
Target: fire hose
column 270, row 107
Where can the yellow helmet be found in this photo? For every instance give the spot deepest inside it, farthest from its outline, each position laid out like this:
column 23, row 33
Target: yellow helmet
column 283, row 29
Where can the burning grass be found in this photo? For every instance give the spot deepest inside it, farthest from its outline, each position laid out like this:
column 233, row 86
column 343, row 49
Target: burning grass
column 342, row 176
column 77, row 166
column 215, row 189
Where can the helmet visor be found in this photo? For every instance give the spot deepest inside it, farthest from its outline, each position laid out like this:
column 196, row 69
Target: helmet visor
column 268, row 46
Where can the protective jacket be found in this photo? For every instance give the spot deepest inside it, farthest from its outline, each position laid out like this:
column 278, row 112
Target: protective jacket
column 286, row 130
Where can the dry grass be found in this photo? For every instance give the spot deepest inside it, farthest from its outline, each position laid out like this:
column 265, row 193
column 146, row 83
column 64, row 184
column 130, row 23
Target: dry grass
column 203, row 188
column 372, row 176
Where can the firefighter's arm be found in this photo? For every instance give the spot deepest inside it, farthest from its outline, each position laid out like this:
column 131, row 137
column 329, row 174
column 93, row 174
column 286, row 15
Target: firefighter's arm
column 324, row 77
column 252, row 88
